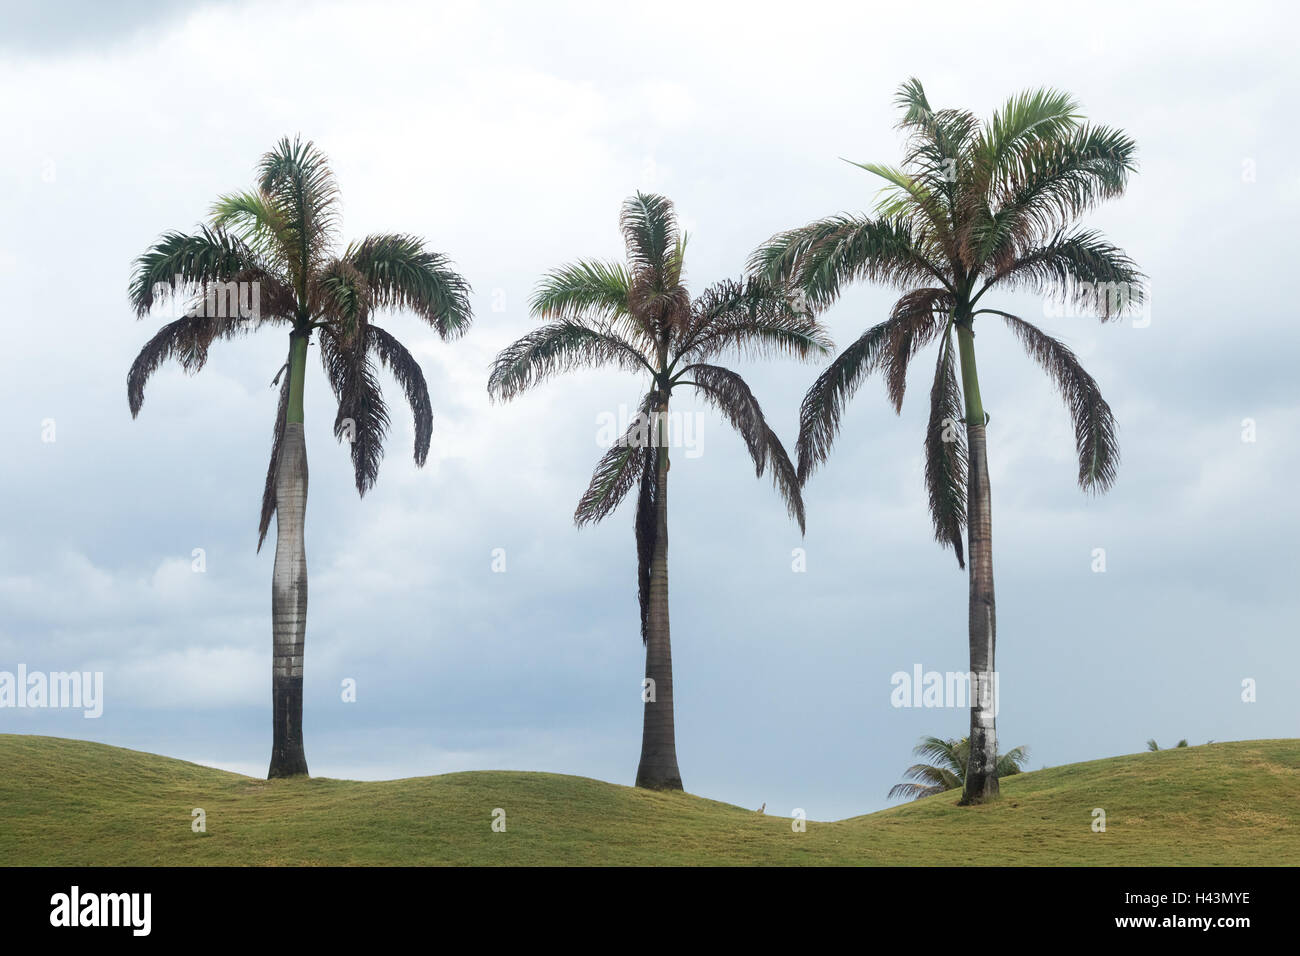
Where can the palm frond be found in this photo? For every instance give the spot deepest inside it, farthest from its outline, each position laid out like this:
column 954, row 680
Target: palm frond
column 406, row 370
column 583, row 291
column 914, row 200
column 189, row 266
column 938, row 141
column 555, row 348
column 819, row 259
column 1026, row 120
column 296, row 179
column 727, row 392
column 341, row 297
column 403, row 274
column 913, row 791
column 917, row 319
column 826, row 399
column 1080, row 266
column 268, row 492
column 649, row 225
column 620, row 467
column 1094, row 425
column 1054, row 183
column 259, row 222
column 1013, row 761
column 186, row 340
column 945, row 455
column 755, row 318
column 362, row 417
column 947, row 753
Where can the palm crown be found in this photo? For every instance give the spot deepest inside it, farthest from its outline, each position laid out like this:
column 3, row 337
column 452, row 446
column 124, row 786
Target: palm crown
column 282, row 237
column 640, row 317
column 973, row 206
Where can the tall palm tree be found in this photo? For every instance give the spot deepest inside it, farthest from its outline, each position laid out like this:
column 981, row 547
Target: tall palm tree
column 640, row 317
column 975, row 206
column 946, row 769
column 274, row 248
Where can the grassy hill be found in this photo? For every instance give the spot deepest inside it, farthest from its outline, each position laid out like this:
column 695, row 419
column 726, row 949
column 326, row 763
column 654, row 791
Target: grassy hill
column 70, row 802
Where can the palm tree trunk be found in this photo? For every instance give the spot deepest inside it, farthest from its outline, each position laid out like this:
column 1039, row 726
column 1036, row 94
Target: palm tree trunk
column 289, row 580
column 658, row 768
column 981, row 770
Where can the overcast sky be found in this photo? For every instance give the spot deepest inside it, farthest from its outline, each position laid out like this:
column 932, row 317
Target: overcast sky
column 507, row 136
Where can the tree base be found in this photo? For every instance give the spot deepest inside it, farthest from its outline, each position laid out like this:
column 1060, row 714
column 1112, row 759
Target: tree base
column 287, row 766
column 655, row 782
column 288, row 758
column 978, row 793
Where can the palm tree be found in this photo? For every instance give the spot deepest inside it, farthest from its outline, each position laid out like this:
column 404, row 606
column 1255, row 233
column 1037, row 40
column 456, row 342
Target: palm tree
column 1153, row 746
column 974, row 206
column 946, row 769
column 274, row 248
column 641, row 318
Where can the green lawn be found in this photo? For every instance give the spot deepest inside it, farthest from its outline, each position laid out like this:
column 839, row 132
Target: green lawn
column 69, row 802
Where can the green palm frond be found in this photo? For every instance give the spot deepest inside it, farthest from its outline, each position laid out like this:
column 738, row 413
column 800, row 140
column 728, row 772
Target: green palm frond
column 1026, row 121
column 187, row 266
column 649, row 225
column 1056, row 183
column 754, row 318
column 655, row 253
column 296, row 179
column 259, row 222
column 587, row 290
column 556, row 348
column 404, row 275
column 911, row 199
column 819, row 259
column 1081, row 266
column 1013, row 761
column 946, row 767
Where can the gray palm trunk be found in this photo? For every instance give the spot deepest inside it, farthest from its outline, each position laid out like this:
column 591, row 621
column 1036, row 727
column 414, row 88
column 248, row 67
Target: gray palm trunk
column 981, row 770
column 658, row 767
column 289, row 583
